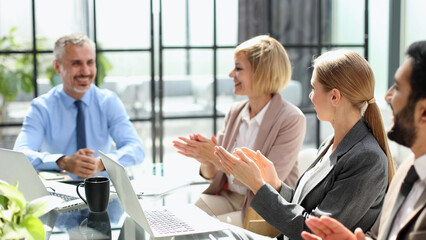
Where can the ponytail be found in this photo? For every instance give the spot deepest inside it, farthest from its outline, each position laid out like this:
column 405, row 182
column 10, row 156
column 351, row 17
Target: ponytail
column 374, row 121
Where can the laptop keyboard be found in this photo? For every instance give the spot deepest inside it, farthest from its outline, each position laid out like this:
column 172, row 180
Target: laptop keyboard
column 63, row 196
column 164, row 222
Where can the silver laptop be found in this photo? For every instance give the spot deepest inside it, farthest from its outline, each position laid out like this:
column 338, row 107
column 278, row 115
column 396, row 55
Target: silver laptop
column 16, row 167
column 161, row 222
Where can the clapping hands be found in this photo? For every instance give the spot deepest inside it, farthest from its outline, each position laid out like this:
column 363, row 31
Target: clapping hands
column 201, row 149
column 327, row 228
column 249, row 167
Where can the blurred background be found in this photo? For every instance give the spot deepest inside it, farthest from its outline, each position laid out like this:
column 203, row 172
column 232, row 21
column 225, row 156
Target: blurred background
column 169, row 60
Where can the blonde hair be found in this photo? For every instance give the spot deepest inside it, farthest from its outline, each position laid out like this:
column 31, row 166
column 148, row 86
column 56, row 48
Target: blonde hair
column 269, row 61
column 352, row 75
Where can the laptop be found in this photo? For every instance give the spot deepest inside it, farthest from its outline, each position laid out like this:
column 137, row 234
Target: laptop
column 145, row 186
column 16, row 167
column 159, row 222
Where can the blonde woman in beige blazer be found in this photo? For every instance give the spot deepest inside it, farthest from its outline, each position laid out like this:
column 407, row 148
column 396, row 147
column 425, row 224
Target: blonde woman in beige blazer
column 262, row 70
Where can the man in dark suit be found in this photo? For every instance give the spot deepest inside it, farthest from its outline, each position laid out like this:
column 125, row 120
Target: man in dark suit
column 403, row 215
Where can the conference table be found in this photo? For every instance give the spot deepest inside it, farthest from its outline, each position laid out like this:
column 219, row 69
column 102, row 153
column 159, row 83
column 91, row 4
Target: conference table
column 116, row 224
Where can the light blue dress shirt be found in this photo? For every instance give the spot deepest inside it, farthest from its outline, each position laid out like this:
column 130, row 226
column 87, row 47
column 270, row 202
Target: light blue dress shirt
column 49, row 129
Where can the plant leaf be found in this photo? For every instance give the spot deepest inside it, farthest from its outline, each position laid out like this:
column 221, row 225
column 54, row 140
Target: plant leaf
column 34, row 228
column 26, row 80
column 8, row 214
column 40, row 206
column 9, row 86
column 103, row 67
column 10, row 231
column 3, row 202
column 13, row 194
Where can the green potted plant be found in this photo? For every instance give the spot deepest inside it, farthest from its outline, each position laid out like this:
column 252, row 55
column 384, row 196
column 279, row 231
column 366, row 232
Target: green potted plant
column 15, row 72
column 19, row 219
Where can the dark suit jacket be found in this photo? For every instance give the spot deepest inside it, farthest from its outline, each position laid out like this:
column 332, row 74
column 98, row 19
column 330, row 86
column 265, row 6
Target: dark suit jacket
column 415, row 226
column 349, row 186
column 280, row 138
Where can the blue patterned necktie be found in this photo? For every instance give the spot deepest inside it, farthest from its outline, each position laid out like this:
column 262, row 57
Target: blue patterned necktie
column 81, row 129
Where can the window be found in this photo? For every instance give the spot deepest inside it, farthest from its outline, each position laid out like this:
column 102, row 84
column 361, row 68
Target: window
column 169, row 60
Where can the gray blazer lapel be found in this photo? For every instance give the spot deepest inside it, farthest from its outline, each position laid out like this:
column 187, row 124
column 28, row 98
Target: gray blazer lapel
column 321, row 151
column 318, row 176
column 358, row 131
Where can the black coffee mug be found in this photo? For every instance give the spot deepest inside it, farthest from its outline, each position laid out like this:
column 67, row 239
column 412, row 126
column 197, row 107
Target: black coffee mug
column 97, row 193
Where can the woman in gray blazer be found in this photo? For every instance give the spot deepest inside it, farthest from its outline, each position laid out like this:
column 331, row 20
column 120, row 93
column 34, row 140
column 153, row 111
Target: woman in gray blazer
column 353, row 167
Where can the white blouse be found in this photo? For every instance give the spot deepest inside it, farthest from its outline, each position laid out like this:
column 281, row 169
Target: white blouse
column 247, row 134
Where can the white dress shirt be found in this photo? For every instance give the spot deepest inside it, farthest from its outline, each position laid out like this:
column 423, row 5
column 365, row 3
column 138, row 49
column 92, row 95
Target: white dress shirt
column 246, row 137
column 408, row 205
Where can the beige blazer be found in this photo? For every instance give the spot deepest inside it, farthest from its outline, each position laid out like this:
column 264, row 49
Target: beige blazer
column 415, row 226
column 280, row 138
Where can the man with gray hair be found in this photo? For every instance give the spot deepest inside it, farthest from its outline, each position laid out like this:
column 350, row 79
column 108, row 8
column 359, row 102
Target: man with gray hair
column 66, row 127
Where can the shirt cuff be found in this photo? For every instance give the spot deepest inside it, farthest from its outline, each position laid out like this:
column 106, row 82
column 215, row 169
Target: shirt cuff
column 52, row 158
column 50, row 162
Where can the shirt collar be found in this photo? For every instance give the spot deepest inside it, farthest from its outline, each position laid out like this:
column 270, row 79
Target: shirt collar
column 259, row 116
column 420, row 166
column 69, row 101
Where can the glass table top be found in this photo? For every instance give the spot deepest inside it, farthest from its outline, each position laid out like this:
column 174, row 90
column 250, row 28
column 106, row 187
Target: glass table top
column 116, row 224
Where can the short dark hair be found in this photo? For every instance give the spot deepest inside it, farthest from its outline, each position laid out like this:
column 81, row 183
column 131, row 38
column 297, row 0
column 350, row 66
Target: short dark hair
column 417, row 53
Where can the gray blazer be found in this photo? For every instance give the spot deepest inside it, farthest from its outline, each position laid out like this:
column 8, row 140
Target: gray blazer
column 350, row 186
